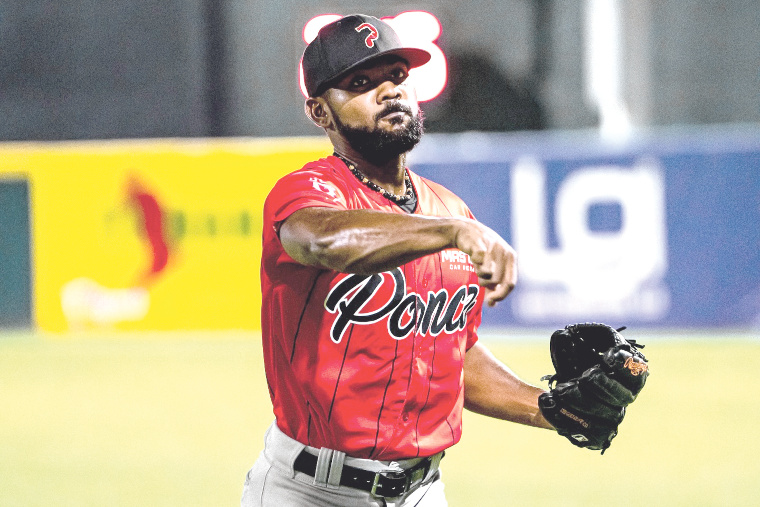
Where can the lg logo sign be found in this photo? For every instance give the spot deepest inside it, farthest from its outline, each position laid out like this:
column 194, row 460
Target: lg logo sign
column 416, row 29
column 599, row 272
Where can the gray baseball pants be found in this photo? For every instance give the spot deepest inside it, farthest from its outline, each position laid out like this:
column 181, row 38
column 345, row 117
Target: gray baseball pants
column 272, row 482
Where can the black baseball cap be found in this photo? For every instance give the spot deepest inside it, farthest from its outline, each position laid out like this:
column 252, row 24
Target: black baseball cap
column 349, row 42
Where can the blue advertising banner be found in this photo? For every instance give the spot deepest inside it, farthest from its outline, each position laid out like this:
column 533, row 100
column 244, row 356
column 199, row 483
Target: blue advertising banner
column 663, row 231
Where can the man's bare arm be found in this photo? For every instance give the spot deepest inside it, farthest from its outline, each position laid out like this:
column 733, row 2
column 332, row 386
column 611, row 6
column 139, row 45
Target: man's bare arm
column 368, row 241
column 492, row 389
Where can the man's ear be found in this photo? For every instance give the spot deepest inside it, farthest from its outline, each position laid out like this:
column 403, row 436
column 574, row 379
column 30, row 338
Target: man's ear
column 317, row 111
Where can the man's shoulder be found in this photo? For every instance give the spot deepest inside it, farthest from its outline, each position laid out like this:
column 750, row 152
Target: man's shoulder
column 439, row 191
column 319, row 181
column 327, row 168
column 321, row 164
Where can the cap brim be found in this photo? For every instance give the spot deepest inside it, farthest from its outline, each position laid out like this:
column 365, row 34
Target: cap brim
column 415, row 57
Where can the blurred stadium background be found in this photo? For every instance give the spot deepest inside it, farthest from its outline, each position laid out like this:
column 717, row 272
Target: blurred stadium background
column 614, row 143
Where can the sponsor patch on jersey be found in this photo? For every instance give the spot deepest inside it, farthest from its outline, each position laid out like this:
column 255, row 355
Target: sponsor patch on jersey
column 456, row 260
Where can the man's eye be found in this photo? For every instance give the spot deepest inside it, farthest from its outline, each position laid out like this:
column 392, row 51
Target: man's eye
column 399, row 75
column 359, row 81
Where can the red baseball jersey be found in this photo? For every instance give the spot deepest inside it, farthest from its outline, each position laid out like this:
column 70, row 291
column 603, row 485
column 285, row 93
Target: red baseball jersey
column 368, row 365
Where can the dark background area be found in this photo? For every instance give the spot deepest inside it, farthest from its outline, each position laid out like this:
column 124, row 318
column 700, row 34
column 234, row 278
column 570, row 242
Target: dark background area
column 87, row 69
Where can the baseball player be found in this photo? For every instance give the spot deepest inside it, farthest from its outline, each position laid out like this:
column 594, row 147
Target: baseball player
column 373, row 280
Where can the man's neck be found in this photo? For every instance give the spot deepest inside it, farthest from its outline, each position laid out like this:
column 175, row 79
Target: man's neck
column 387, row 174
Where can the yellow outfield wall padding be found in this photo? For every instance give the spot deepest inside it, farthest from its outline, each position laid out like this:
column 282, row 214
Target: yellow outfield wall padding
column 150, row 234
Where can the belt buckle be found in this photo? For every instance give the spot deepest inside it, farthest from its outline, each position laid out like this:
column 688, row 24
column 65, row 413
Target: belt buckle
column 393, row 475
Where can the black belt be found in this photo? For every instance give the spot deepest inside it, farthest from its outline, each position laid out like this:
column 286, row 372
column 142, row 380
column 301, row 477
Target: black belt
column 386, row 484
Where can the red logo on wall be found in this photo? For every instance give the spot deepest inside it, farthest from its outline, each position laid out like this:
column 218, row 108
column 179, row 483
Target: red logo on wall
column 154, row 226
column 86, row 302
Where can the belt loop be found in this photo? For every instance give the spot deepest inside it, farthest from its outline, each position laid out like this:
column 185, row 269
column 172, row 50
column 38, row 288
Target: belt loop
column 336, row 468
column 323, row 466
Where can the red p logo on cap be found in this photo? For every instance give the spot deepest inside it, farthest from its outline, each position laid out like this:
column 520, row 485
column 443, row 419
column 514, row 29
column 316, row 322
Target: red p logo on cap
column 370, row 40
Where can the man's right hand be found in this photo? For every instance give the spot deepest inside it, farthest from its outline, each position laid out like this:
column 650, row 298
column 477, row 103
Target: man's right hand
column 495, row 261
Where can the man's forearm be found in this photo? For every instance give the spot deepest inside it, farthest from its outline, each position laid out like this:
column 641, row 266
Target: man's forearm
column 494, row 390
column 363, row 241
column 368, row 241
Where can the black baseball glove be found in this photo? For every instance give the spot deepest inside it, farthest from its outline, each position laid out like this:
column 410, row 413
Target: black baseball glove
column 598, row 374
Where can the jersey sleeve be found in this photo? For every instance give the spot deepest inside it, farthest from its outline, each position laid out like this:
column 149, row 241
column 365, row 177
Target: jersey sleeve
column 304, row 189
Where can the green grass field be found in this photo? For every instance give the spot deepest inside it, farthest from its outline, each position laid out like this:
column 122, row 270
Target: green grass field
column 176, row 419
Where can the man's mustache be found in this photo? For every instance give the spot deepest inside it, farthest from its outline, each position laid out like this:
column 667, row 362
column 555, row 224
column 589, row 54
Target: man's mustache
column 394, row 107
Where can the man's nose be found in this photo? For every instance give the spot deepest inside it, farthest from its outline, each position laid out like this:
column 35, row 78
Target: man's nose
column 388, row 90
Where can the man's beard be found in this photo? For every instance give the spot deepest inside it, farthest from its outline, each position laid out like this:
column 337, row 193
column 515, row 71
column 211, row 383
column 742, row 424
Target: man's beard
column 379, row 146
